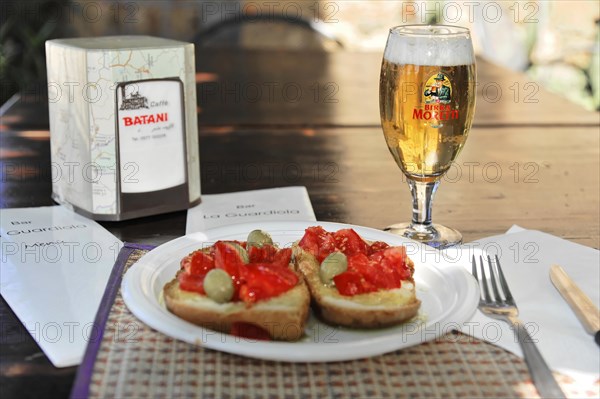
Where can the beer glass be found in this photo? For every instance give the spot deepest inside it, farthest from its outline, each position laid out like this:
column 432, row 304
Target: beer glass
column 426, row 100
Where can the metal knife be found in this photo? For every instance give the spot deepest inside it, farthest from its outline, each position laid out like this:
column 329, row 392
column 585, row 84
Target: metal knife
column 587, row 313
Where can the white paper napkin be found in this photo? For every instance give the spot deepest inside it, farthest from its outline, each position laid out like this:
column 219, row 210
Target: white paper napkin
column 287, row 203
column 55, row 266
column 526, row 257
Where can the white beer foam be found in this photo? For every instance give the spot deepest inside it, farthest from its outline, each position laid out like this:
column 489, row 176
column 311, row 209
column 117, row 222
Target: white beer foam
column 443, row 50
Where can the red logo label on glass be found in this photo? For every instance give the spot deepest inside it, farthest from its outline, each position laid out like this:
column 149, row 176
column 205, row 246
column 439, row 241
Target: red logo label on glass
column 437, row 96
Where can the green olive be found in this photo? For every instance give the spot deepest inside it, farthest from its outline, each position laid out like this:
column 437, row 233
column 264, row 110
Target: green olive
column 258, row 238
column 218, row 285
column 240, row 250
column 334, row 264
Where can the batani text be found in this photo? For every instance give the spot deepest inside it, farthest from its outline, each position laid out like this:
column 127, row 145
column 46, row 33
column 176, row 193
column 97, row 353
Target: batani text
column 145, row 119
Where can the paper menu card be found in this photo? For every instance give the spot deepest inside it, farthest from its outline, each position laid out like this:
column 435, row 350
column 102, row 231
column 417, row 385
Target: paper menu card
column 54, row 268
column 526, row 257
column 287, row 203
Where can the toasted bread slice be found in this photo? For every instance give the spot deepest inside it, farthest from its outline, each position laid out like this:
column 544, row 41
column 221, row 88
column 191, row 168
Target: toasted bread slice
column 370, row 310
column 283, row 316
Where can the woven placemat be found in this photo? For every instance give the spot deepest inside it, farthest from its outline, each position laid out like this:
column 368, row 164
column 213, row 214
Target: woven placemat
column 130, row 360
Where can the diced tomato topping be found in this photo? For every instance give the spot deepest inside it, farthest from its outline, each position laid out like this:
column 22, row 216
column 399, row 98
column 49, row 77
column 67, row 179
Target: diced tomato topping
column 228, row 259
column 270, row 254
column 198, row 263
column 283, row 257
column 191, row 283
column 266, row 253
column 358, row 263
column 195, row 266
column 393, row 261
column 263, row 280
column 377, row 246
column 318, row 242
column 370, row 271
column 250, row 331
column 370, row 267
column 349, row 242
column 226, row 255
column 284, row 273
column 352, row 283
column 266, row 275
column 310, row 241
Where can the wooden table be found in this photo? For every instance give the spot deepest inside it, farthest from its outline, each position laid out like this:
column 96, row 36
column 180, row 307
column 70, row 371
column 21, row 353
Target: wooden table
column 341, row 89
column 530, row 163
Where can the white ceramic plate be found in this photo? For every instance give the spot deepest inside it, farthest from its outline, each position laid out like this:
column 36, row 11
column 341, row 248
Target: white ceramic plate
column 449, row 296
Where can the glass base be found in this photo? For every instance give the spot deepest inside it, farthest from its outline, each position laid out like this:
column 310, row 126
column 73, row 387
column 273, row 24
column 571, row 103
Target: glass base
column 435, row 235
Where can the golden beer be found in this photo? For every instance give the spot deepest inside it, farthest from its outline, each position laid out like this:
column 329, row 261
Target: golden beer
column 426, row 100
column 426, row 114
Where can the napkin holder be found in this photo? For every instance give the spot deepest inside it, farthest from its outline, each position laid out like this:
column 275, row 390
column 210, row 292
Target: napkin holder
column 123, row 127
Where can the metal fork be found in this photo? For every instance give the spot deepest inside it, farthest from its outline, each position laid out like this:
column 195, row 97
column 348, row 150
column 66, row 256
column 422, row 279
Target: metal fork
column 499, row 304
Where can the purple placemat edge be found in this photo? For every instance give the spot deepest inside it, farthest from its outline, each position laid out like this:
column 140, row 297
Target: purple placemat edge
column 81, row 386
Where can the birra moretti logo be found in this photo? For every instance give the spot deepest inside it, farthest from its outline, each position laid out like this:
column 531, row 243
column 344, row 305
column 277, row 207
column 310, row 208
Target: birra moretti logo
column 437, row 96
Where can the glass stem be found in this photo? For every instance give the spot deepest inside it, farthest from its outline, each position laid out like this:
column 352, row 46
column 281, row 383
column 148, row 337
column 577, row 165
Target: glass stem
column 422, row 194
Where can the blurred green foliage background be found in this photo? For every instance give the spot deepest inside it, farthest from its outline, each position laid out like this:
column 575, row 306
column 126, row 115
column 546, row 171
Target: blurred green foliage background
column 25, row 27
column 560, row 50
